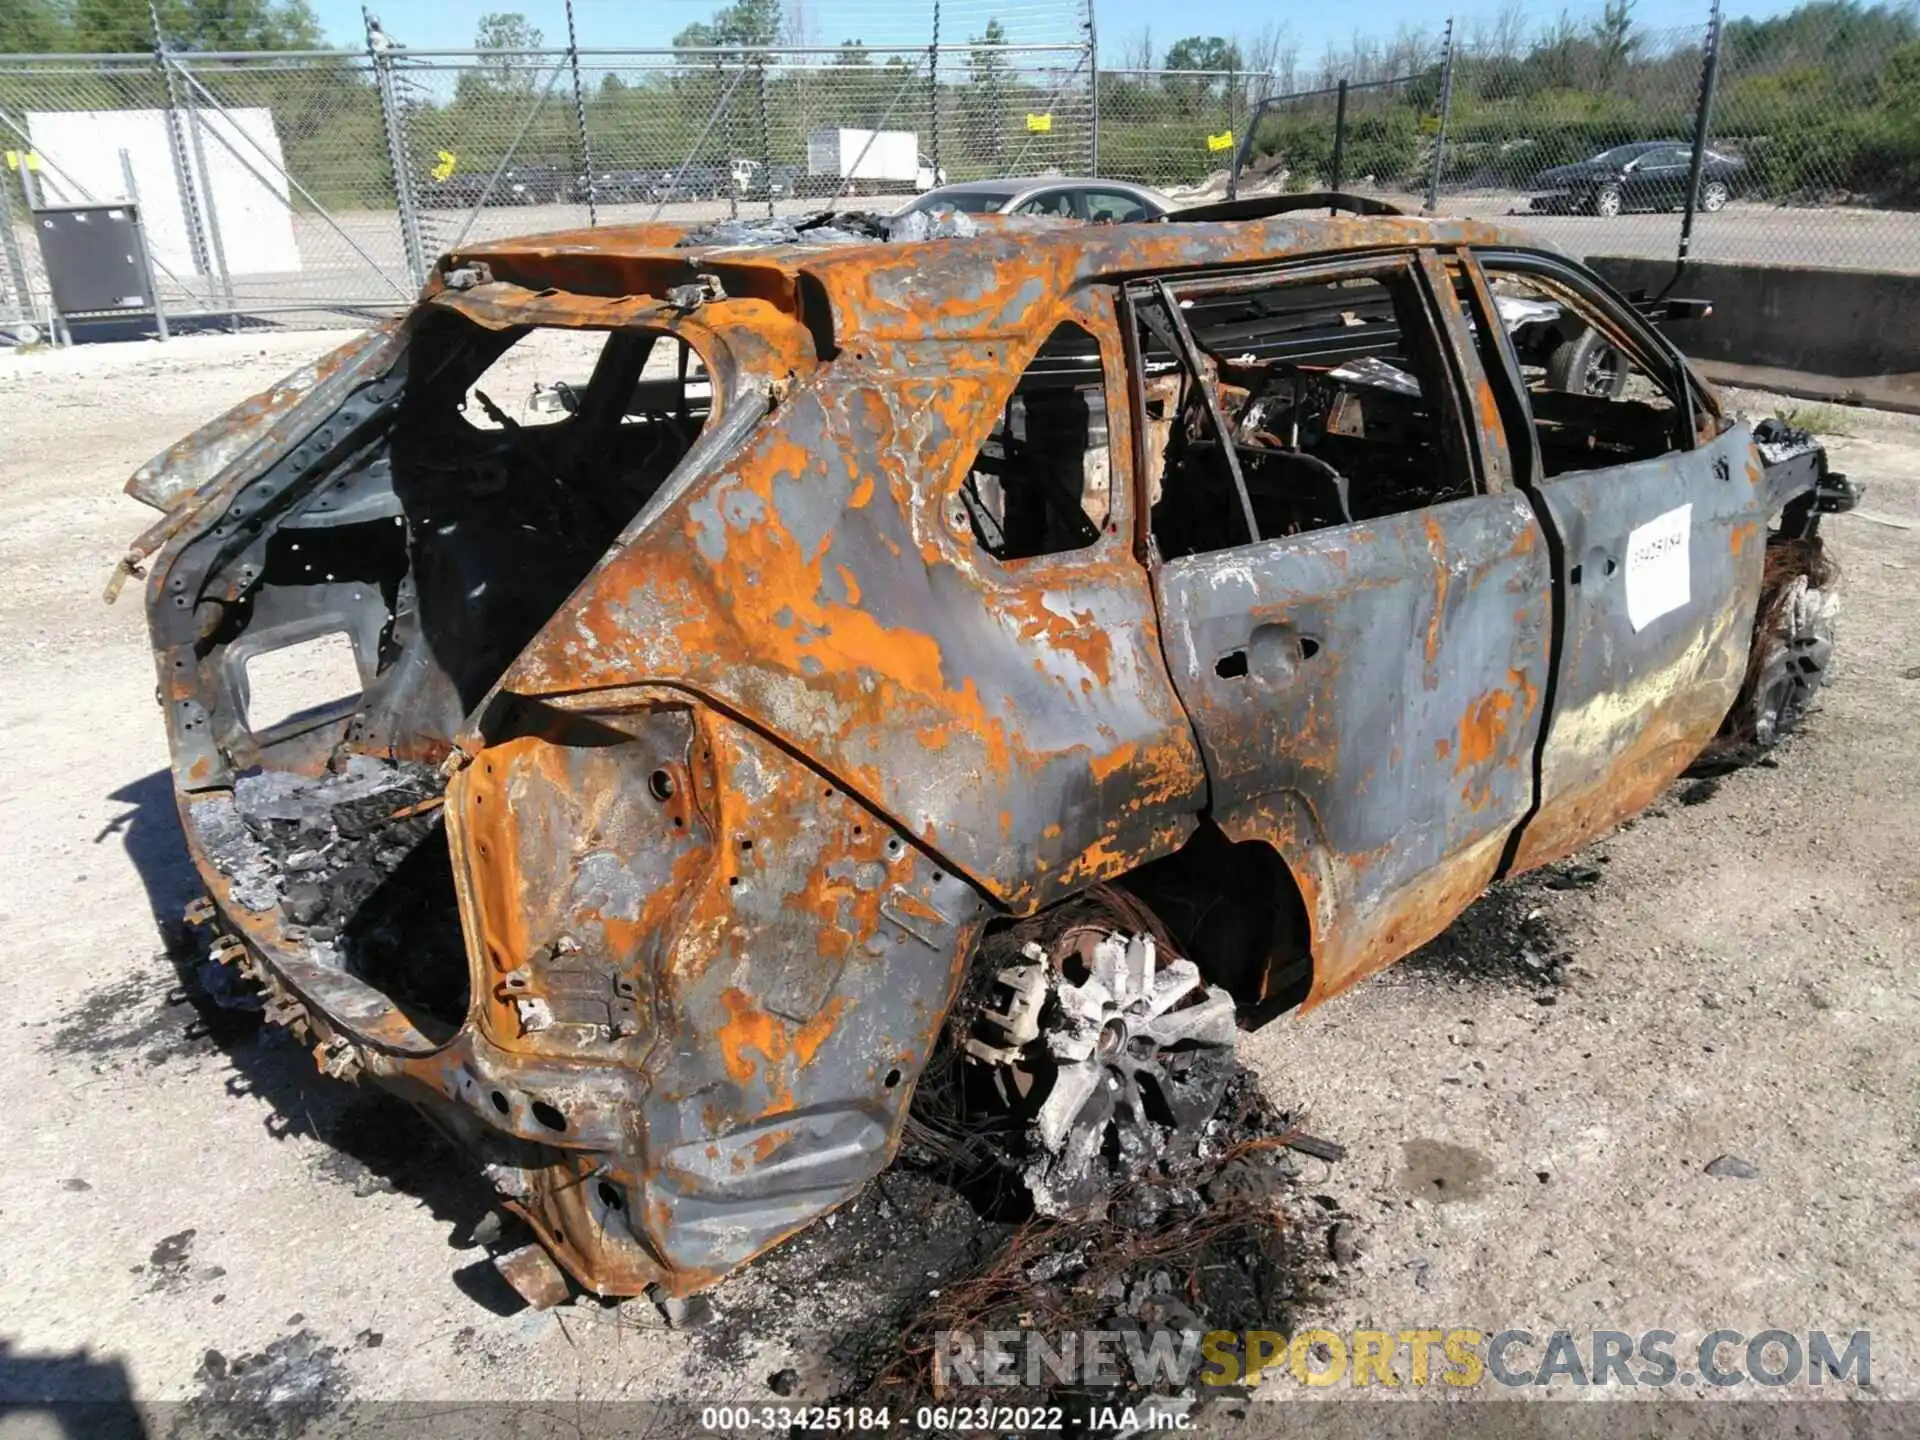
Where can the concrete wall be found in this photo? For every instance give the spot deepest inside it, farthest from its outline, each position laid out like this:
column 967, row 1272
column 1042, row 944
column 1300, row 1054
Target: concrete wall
column 1846, row 335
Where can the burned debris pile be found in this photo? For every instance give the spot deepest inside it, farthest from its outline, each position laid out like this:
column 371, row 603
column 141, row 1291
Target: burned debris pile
column 355, row 860
column 1175, row 1252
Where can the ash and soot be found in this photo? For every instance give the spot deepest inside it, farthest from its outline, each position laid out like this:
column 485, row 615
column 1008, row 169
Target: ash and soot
column 356, row 862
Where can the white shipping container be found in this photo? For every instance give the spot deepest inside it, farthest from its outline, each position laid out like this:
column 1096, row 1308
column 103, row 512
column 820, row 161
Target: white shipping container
column 887, row 156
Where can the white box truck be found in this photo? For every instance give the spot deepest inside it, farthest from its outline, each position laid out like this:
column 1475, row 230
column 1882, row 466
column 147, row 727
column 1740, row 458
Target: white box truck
column 875, row 160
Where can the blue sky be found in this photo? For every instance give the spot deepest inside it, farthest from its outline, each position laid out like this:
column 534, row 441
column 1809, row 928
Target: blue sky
column 428, row 24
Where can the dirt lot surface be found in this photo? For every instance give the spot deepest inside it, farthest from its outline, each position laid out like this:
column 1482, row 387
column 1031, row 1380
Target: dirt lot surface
column 1529, row 1106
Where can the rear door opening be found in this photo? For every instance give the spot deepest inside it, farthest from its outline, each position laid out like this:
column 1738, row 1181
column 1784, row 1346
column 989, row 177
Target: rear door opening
column 341, row 645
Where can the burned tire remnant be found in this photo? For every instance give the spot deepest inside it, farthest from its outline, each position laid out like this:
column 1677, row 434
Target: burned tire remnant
column 928, row 689
column 1113, row 1053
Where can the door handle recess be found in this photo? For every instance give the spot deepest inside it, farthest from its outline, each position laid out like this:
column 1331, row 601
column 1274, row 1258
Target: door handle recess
column 1272, row 650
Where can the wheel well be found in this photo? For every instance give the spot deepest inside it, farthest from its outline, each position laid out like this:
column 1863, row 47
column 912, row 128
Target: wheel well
column 1235, row 910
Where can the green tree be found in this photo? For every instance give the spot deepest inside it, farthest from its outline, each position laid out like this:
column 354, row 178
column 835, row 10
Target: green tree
column 983, row 103
column 122, row 25
column 1203, row 52
column 32, row 27
column 1614, row 42
column 500, row 34
column 1199, row 52
column 746, row 23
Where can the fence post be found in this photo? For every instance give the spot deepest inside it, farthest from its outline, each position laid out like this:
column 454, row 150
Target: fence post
column 1339, row 136
column 140, row 243
column 580, row 120
column 1093, row 62
column 933, row 97
column 10, row 242
column 766, row 132
column 177, row 149
column 727, row 140
column 1446, row 114
column 213, row 210
column 394, row 124
column 1702, row 131
column 1230, row 107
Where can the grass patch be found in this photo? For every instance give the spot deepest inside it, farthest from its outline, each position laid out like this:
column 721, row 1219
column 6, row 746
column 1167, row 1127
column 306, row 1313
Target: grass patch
column 1820, row 419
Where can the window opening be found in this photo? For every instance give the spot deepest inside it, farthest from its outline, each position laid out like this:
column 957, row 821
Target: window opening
column 1042, row 482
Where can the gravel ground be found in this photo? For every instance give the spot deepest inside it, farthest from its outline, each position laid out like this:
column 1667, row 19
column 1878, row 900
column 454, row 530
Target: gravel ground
column 1529, row 1105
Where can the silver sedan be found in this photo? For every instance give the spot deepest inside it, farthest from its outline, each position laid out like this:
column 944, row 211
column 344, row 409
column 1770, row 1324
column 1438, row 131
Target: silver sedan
column 1113, row 201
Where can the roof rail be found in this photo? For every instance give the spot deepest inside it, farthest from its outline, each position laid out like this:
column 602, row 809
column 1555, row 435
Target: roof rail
column 1260, row 207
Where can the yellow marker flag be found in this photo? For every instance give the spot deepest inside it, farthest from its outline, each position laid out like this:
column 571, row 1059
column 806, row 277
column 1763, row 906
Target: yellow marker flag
column 446, row 166
column 13, row 159
column 1040, row 124
column 1222, row 141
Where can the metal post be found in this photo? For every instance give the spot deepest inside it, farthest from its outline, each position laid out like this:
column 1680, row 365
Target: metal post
column 766, row 132
column 394, row 124
column 1339, row 136
column 56, row 327
column 1243, row 146
column 212, row 210
column 1702, row 132
column 1093, row 89
column 140, row 240
column 177, row 148
column 580, row 121
column 28, row 190
column 1446, row 113
column 1230, row 104
column 16, row 258
column 726, row 136
column 933, row 97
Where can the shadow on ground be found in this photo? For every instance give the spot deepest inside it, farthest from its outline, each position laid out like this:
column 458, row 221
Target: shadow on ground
column 183, row 1007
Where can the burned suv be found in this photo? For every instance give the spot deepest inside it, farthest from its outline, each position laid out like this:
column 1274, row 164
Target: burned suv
column 661, row 703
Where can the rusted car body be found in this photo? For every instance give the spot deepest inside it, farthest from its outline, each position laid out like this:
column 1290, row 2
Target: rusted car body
column 986, row 571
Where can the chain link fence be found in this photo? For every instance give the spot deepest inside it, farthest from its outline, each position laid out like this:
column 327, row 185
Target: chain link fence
column 1808, row 126
column 1175, row 129
column 319, row 187
column 316, row 187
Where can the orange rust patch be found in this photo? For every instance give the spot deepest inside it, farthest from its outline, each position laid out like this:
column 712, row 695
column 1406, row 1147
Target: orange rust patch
column 747, row 1028
column 1482, row 729
column 1437, row 547
column 1104, row 765
column 808, row 1039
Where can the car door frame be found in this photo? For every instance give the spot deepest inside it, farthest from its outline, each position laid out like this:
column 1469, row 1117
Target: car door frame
column 1629, row 707
column 1342, row 833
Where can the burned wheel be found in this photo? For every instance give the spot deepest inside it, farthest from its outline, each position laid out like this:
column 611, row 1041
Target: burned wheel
column 1111, row 1052
column 1587, row 365
column 1792, row 650
column 1792, row 665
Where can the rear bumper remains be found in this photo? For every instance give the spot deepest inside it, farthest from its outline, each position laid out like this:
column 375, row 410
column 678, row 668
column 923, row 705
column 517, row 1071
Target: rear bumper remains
column 694, row 1019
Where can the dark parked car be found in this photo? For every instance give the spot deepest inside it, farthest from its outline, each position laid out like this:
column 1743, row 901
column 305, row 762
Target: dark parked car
column 621, row 187
column 1646, row 175
column 516, row 185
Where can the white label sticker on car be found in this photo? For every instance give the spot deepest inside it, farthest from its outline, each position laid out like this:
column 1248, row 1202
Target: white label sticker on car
column 1659, row 568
